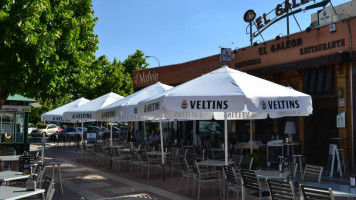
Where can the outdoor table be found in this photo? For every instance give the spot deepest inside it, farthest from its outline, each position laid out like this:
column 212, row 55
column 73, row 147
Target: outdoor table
column 125, row 150
column 7, row 176
column 218, row 149
column 9, row 158
column 215, row 163
column 156, row 153
column 10, row 193
column 118, row 146
column 339, row 190
column 263, row 174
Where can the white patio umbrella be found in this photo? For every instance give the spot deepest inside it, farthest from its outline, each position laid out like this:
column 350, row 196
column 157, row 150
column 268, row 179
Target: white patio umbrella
column 126, row 109
column 56, row 114
column 87, row 111
column 227, row 94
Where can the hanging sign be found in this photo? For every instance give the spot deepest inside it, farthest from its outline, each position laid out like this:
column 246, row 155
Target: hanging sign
column 325, row 16
column 225, row 55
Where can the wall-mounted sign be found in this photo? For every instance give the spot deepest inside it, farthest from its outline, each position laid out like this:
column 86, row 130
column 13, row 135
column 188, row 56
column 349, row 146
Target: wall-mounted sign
column 325, row 16
column 16, row 108
column 282, row 45
column 146, row 77
column 341, row 102
column 340, row 120
column 225, row 55
column 322, row 47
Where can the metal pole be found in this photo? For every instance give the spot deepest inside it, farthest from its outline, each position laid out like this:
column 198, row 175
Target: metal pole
column 111, row 134
column 287, row 25
column 251, row 32
column 161, row 134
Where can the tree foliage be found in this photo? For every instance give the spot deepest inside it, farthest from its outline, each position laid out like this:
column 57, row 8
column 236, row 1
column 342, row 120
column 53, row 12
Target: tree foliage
column 44, row 46
column 105, row 77
column 47, row 52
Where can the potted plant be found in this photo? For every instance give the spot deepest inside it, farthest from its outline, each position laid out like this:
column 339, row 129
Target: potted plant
column 256, row 161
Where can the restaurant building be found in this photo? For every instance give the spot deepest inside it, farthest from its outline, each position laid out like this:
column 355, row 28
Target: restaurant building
column 319, row 61
column 14, row 117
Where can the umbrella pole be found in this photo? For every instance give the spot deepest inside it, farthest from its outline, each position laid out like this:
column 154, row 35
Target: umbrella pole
column 161, row 134
column 111, row 134
column 251, row 147
column 144, row 130
column 82, row 143
column 226, row 139
column 194, row 132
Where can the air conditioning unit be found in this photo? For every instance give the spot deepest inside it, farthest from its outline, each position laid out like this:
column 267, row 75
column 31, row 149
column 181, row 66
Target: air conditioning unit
column 314, row 24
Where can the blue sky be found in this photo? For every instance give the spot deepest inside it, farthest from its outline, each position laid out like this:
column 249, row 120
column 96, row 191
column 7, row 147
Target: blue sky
column 180, row 31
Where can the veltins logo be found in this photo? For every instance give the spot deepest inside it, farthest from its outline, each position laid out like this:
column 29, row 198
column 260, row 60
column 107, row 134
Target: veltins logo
column 135, row 110
column 184, row 104
column 263, row 105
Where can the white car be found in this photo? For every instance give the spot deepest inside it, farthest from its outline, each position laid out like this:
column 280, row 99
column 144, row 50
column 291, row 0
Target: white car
column 47, row 129
column 31, row 127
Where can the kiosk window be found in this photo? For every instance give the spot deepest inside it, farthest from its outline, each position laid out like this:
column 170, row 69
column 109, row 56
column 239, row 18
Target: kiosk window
column 19, row 127
column 7, row 127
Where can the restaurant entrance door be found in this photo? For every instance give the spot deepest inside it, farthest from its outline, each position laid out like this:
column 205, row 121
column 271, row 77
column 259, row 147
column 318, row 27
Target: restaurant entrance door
column 319, row 127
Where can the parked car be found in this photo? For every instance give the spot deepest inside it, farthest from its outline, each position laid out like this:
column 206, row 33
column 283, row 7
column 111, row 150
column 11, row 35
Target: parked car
column 66, row 132
column 31, row 127
column 47, row 129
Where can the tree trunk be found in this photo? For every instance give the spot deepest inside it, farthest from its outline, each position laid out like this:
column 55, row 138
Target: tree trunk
column 4, row 93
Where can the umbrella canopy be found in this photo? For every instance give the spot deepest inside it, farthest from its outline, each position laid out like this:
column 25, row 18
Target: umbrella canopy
column 126, row 109
column 87, row 111
column 227, row 94
column 57, row 114
column 227, row 91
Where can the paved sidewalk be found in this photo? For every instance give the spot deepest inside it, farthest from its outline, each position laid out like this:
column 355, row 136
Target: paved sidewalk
column 89, row 181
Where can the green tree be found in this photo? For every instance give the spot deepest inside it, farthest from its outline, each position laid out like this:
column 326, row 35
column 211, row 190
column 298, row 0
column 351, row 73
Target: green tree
column 45, row 45
column 105, row 77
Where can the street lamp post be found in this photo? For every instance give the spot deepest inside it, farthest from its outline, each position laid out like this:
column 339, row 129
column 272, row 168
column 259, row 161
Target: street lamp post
column 161, row 135
column 159, row 64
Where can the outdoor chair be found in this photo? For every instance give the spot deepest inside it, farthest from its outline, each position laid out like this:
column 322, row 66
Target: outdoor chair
column 135, row 161
column 312, row 173
column 251, row 185
column 173, row 159
column 149, row 163
column 186, row 172
column 237, row 158
column 233, row 181
column 199, row 153
column 312, row 192
column 120, row 159
column 205, row 177
column 246, row 163
column 281, row 190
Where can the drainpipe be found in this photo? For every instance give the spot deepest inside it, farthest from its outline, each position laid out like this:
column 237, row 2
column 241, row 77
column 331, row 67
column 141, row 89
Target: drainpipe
column 351, row 88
